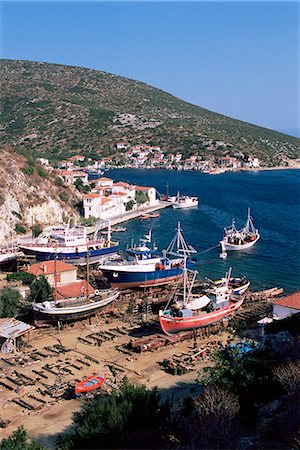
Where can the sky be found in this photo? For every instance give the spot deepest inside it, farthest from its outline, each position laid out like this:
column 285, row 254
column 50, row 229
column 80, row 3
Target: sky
column 240, row 59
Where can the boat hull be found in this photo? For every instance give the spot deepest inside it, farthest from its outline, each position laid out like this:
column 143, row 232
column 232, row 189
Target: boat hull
column 89, row 384
column 176, row 205
column 172, row 325
column 47, row 316
column 129, row 280
column 44, row 254
column 245, row 246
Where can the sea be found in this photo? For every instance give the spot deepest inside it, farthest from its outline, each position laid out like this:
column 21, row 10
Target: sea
column 274, row 199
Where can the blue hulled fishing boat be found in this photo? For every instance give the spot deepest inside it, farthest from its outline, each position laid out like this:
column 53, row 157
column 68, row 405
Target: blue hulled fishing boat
column 142, row 266
column 69, row 245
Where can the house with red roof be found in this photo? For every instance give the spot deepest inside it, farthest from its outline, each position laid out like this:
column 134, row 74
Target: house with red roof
column 78, row 288
column 55, row 272
column 286, row 306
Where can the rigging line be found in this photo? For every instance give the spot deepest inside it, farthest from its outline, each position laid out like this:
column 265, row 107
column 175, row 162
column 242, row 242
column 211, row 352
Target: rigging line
column 207, row 250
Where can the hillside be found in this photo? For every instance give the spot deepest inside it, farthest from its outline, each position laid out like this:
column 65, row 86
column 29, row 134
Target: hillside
column 29, row 196
column 58, row 110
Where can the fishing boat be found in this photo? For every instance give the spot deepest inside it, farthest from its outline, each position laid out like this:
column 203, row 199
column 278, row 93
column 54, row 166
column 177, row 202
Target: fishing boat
column 90, row 384
column 142, row 266
column 70, row 245
column 145, row 217
column 196, row 311
column 153, row 215
column 235, row 239
column 184, row 201
column 237, row 285
column 9, row 255
column 70, row 309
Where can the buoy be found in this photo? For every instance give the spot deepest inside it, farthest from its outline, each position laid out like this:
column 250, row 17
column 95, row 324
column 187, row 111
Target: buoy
column 223, row 253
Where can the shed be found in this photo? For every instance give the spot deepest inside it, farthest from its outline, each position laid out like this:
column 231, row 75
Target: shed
column 10, row 330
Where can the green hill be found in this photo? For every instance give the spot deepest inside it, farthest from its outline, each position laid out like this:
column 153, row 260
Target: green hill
column 59, row 110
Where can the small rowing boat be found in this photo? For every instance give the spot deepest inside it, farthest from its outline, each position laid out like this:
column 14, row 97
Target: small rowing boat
column 89, row 384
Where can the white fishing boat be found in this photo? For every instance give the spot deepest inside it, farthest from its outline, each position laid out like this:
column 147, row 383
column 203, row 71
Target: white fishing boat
column 235, row 239
column 184, row 201
column 69, row 244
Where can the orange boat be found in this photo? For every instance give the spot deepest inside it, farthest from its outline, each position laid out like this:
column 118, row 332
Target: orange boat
column 89, row 384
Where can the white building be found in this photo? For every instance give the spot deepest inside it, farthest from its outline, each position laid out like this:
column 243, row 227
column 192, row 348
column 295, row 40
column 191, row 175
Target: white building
column 286, row 306
column 122, row 145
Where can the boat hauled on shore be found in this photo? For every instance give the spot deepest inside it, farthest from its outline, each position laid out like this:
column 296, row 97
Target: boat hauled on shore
column 69, row 245
column 195, row 311
column 70, row 309
column 142, row 266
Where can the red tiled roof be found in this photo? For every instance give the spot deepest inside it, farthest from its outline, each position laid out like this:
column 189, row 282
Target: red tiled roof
column 91, row 196
column 75, row 289
column 49, row 267
column 290, row 301
column 142, row 188
column 104, row 179
column 122, row 184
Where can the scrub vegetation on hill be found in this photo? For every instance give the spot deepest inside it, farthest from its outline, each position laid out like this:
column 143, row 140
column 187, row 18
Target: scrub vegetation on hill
column 58, row 110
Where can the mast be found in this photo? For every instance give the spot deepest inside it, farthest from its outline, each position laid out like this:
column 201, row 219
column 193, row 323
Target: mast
column 55, row 274
column 87, row 271
column 184, row 280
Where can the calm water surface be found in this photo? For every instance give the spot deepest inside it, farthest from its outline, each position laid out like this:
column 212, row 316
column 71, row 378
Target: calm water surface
column 274, row 199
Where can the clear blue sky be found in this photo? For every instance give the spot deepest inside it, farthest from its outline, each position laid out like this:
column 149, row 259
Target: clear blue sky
column 237, row 58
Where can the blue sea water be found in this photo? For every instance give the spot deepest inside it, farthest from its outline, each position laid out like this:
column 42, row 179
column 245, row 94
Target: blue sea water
column 274, row 199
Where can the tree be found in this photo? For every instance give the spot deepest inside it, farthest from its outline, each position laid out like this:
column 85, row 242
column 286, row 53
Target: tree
column 129, row 205
column 81, row 187
column 40, row 290
column 36, row 230
column 141, row 197
column 216, row 423
column 18, row 441
column 9, row 302
column 106, row 422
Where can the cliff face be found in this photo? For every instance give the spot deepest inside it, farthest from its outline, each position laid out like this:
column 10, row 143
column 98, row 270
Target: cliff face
column 28, row 195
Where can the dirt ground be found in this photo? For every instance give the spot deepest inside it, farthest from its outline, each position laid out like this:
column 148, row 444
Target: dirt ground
column 52, row 361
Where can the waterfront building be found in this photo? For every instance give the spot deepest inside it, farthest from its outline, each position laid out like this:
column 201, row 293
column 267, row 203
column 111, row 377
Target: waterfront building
column 286, row 306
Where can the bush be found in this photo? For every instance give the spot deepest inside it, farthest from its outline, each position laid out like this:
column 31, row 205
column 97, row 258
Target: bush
column 36, row 230
column 129, row 205
column 42, row 173
column 19, row 229
column 59, row 182
column 106, row 422
column 25, row 277
column 9, row 302
column 40, row 290
column 64, row 196
column 141, row 197
column 29, row 170
column 18, row 441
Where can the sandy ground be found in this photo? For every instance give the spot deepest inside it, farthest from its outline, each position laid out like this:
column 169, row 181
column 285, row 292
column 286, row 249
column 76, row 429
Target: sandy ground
column 47, row 420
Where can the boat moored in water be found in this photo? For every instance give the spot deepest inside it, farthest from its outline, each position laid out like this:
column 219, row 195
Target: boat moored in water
column 239, row 239
column 184, row 201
